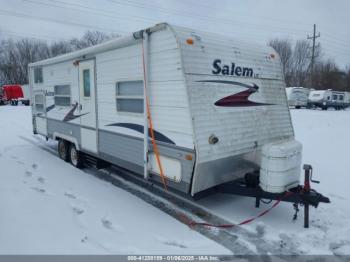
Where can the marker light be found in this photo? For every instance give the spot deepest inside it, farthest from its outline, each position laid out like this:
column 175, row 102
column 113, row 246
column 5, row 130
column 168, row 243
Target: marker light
column 189, row 41
column 189, row 157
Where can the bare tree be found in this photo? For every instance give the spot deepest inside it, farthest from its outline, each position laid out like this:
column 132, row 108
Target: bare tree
column 16, row 55
column 91, row 38
column 327, row 75
column 300, row 63
column 347, row 78
column 284, row 49
column 59, row 48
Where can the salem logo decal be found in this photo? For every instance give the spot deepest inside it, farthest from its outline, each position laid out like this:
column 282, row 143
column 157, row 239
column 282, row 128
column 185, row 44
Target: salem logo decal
column 233, row 69
column 239, row 99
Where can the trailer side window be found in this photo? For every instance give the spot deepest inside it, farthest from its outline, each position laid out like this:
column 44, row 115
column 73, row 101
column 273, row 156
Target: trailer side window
column 39, row 103
column 335, row 97
column 129, row 96
column 38, row 75
column 341, row 97
column 62, row 95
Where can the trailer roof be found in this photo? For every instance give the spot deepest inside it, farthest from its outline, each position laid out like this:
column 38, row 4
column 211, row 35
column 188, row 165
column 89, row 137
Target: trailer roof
column 105, row 46
column 136, row 37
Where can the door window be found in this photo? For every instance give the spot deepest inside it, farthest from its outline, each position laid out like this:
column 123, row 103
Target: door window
column 86, row 82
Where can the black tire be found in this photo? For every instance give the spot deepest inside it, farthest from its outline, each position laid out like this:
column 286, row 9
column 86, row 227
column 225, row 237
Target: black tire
column 62, row 148
column 75, row 157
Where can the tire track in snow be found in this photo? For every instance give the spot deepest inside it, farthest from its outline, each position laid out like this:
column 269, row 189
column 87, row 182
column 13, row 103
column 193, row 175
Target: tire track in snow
column 238, row 240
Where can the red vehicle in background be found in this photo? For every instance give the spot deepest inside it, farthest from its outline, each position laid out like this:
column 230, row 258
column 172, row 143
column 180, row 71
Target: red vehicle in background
column 12, row 94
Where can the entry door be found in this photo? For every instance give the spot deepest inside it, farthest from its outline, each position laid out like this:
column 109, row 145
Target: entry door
column 87, row 105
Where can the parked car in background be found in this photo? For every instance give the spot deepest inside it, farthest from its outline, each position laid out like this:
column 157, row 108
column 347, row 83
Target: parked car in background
column 297, row 96
column 325, row 99
column 14, row 94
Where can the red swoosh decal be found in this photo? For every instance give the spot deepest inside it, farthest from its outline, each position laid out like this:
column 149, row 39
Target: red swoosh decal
column 239, row 99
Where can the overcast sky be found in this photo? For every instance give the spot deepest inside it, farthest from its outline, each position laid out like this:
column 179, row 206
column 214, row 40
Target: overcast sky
column 255, row 20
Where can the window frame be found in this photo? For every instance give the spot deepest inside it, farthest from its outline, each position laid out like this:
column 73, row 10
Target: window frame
column 62, row 95
column 41, row 80
column 42, row 104
column 133, row 97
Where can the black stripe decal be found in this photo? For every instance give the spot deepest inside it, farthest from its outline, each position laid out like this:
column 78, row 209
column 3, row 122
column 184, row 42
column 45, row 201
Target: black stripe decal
column 49, row 108
column 70, row 115
column 139, row 128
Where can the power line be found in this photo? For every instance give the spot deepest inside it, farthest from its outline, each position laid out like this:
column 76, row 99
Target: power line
column 101, row 11
column 33, row 36
column 113, row 15
column 78, row 7
column 83, row 8
column 131, row 3
column 52, row 20
column 201, row 16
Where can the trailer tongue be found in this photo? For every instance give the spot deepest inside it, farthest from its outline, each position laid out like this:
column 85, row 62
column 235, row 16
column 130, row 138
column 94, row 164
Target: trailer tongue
column 249, row 186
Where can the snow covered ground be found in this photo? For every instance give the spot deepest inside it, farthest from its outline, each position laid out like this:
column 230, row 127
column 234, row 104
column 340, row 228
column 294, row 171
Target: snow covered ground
column 49, row 207
column 325, row 136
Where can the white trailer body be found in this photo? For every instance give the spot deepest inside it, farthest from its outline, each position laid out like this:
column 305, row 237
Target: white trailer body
column 328, row 98
column 347, row 98
column 297, row 96
column 215, row 102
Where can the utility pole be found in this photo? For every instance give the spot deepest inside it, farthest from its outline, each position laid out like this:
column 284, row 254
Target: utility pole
column 313, row 37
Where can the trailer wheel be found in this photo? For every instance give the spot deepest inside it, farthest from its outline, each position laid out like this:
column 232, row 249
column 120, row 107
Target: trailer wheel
column 62, row 148
column 75, row 156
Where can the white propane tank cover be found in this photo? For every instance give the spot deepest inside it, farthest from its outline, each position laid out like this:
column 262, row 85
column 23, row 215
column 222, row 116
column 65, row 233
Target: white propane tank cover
column 280, row 166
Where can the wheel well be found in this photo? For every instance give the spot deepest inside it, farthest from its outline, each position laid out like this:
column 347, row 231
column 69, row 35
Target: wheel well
column 68, row 139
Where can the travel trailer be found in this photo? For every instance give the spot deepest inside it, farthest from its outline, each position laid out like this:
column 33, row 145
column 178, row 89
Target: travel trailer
column 328, row 98
column 347, row 98
column 297, row 96
column 176, row 106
